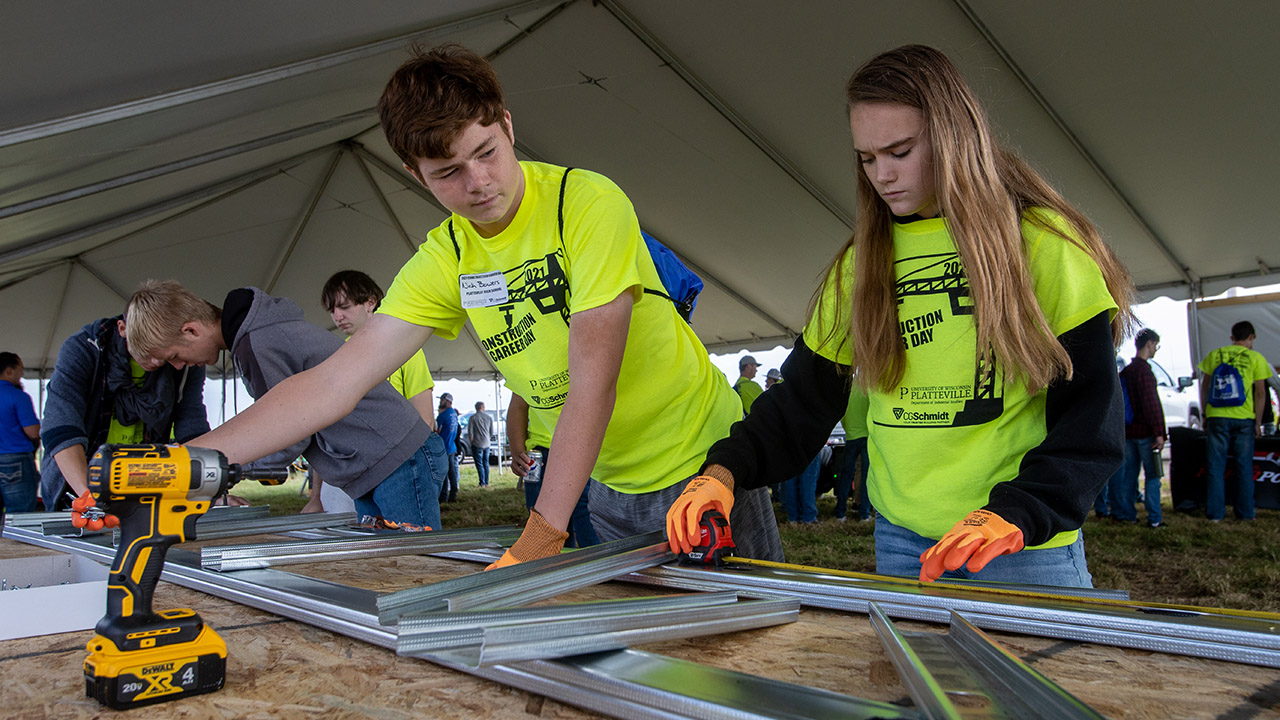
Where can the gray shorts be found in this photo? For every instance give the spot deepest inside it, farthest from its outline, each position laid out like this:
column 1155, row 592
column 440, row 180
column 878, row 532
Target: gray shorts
column 617, row 515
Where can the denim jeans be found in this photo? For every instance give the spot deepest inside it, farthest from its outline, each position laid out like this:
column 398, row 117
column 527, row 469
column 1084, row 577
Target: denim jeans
column 410, row 494
column 898, row 552
column 581, row 532
column 800, row 494
column 1124, row 484
column 1232, row 436
column 481, row 458
column 854, row 451
column 18, row 482
column 449, row 488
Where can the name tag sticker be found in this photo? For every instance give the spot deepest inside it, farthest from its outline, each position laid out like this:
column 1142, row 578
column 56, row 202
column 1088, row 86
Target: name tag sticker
column 483, row 289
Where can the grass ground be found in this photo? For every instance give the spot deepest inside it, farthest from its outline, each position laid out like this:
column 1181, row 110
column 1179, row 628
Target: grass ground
column 1189, row 561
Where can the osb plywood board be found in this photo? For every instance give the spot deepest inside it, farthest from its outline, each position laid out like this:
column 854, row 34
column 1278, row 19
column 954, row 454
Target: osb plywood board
column 283, row 669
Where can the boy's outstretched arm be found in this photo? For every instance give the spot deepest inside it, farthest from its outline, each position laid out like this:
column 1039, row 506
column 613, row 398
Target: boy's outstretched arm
column 317, row 398
column 597, row 340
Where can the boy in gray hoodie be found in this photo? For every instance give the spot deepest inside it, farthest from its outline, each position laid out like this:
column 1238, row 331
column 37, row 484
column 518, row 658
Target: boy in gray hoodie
column 381, row 454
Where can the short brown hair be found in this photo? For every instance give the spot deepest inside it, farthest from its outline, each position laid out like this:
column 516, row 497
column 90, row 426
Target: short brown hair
column 355, row 286
column 156, row 313
column 434, row 96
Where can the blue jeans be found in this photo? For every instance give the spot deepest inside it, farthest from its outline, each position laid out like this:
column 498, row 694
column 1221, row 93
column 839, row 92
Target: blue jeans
column 1232, row 436
column 800, row 494
column 18, row 482
column 449, row 488
column 854, row 450
column 410, row 494
column 481, row 458
column 898, row 552
column 1124, row 484
column 581, row 532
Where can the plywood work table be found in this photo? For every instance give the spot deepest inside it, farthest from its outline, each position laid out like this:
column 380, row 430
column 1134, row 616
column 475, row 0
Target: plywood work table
column 279, row 668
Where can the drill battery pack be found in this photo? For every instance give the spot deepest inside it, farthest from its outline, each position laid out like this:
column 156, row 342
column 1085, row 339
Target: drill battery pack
column 150, row 671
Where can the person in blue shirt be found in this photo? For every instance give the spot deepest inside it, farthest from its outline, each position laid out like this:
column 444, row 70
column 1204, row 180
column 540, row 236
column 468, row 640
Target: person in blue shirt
column 19, row 430
column 447, row 426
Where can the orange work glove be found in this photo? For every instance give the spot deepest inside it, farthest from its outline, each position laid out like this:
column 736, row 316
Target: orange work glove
column 86, row 514
column 538, row 540
column 978, row 539
column 703, row 493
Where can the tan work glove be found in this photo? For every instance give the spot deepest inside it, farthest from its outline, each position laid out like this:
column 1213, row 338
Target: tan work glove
column 538, row 540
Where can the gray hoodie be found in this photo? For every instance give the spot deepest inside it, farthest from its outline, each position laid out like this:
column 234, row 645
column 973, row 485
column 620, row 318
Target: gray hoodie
column 359, row 451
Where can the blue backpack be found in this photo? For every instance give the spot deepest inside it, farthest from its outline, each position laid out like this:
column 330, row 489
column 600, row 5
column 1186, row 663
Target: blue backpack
column 1226, row 386
column 682, row 285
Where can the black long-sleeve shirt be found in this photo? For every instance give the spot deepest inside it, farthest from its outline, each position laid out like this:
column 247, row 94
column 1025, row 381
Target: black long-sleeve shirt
column 1057, row 480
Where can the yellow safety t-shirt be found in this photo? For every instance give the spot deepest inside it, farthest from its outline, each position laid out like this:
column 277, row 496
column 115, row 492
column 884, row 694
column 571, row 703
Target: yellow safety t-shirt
column 520, row 290
column 942, row 439
column 412, row 378
column 1251, row 365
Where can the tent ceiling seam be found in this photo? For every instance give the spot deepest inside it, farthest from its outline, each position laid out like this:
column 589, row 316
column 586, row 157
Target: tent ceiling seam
column 32, row 272
column 101, row 226
column 526, row 31
column 98, row 276
column 121, row 111
column 178, row 215
column 180, row 165
column 306, row 218
column 1181, row 268
column 724, row 109
column 408, row 183
column 382, row 199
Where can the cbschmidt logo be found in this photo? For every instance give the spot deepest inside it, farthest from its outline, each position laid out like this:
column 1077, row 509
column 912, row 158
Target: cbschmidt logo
column 915, row 416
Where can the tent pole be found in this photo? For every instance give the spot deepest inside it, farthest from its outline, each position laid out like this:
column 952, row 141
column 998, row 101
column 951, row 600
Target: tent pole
column 1193, row 329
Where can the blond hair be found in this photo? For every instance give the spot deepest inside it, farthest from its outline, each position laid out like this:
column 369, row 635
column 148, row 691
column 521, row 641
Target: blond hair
column 156, row 313
column 983, row 195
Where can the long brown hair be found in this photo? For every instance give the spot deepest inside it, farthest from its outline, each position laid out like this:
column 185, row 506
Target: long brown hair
column 983, row 195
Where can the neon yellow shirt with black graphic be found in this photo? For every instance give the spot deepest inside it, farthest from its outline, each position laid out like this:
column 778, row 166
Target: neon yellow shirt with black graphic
column 522, row 288
column 950, row 431
column 1251, row 365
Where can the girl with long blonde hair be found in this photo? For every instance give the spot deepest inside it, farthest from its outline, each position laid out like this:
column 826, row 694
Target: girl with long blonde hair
column 979, row 311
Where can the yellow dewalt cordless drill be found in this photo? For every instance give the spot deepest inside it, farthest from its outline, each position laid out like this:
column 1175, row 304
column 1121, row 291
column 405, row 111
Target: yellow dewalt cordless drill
column 139, row 657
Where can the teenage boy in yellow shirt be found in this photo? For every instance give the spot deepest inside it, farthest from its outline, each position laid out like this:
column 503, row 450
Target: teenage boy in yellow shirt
column 551, row 269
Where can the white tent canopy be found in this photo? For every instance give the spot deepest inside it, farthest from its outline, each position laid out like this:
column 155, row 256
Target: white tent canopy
column 230, row 144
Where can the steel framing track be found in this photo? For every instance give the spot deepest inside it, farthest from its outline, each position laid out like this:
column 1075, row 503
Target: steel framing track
column 966, row 664
column 261, row 555
column 627, row 684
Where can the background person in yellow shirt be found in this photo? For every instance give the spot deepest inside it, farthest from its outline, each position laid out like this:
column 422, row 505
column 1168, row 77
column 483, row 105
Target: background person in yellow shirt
column 351, row 297
column 1233, row 393
column 746, row 386
column 979, row 311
